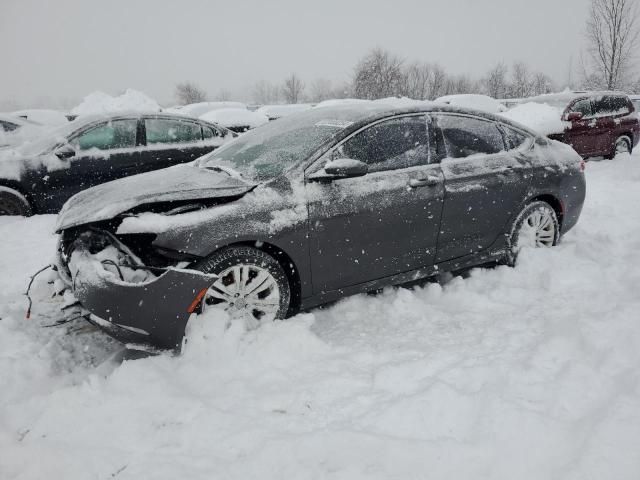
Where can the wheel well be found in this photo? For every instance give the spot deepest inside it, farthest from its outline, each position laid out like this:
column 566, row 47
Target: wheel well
column 555, row 204
column 287, row 264
column 14, row 185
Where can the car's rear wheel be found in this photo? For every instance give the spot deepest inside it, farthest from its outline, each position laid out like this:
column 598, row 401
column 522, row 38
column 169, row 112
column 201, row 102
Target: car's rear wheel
column 622, row 145
column 251, row 284
column 536, row 226
column 13, row 202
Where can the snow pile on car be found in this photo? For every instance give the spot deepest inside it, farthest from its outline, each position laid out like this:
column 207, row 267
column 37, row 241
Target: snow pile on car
column 200, row 108
column 477, row 102
column 131, row 100
column 278, row 111
column 541, row 117
column 49, row 118
column 235, row 118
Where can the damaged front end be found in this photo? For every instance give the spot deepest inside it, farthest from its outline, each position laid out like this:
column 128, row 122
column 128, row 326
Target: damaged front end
column 137, row 294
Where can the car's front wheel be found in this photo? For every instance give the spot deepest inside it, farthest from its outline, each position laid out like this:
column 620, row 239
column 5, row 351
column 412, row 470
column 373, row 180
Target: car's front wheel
column 251, row 284
column 13, row 202
column 536, row 226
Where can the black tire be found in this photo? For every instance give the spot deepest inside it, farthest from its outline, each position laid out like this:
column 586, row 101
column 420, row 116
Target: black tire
column 513, row 235
column 226, row 258
column 13, row 202
column 616, row 146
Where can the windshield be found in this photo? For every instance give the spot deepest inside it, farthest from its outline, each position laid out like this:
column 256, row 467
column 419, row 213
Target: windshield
column 267, row 151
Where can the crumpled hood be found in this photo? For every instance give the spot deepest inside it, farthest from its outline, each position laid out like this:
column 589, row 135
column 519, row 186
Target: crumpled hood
column 177, row 183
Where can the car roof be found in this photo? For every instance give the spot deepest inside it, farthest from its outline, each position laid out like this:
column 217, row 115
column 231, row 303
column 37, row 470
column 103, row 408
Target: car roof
column 363, row 114
column 566, row 97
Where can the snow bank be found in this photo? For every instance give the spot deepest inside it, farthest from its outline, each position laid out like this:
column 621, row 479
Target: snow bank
column 478, row 102
column 235, row 117
column 278, row 111
column 199, row 109
column 528, row 372
column 540, row 117
column 102, row 103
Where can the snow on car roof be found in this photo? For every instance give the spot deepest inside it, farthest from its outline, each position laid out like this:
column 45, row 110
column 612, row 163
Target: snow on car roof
column 235, row 117
column 277, row 111
column 104, row 104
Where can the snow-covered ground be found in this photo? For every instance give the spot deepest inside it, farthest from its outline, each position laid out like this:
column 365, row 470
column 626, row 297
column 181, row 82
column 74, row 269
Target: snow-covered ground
column 530, row 372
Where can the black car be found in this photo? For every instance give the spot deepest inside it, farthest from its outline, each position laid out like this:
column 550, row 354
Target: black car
column 39, row 176
column 313, row 207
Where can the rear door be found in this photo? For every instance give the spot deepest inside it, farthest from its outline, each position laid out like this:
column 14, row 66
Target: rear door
column 104, row 152
column 383, row 223
column 485, row 182
column 171, row 141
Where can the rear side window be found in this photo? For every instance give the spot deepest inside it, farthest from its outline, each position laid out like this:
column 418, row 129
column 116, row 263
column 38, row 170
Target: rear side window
column 390, row 145
column 114, row 134
column 160, row 130
column 610, row 105
column 463, row 136
column 208, row 132
column 515, row 139
column 582, row 106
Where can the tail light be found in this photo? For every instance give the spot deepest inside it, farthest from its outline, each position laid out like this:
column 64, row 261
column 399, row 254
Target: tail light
column 583, row 165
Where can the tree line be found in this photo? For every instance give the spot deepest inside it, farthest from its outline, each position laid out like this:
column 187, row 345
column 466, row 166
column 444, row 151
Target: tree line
column 612, row 35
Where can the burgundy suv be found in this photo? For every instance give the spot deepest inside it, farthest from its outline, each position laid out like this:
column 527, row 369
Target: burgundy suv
column 599, row 123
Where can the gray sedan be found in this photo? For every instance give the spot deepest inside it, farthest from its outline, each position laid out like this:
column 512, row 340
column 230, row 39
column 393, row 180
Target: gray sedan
column 306, row 210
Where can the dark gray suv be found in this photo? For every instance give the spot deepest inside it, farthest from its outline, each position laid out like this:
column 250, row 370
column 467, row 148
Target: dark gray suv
column 311, row 208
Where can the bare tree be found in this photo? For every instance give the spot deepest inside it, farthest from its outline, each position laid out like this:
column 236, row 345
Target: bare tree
column 292, row 88
column 521, row 85
column 495, row 82
column 223, row 95
column 189, row 92
column 459, row 84
column 379, row 74
column 541, row 83
column 437, row 82
column 264, row 93
column 321, row 89
column 612, row 33
column 417, row 77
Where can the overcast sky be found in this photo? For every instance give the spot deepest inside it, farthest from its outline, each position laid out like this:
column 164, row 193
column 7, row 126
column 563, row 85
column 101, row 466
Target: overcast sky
column 68, row 48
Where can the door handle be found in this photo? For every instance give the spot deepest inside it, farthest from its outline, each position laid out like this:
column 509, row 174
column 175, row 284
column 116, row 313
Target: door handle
column 428, row 181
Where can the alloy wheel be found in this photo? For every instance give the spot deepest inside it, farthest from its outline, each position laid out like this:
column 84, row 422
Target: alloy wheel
column 247, row 291
column 537, row 230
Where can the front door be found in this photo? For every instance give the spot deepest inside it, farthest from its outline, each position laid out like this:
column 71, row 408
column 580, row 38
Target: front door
column 484, row 183
column 104, row 152
column 383, row 223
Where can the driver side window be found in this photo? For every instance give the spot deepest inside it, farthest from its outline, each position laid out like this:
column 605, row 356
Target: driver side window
column 108, row 136
column 582, row 106
column 390, row 145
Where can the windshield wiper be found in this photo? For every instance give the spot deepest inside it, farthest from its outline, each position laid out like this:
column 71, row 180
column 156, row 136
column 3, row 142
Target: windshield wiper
column 228, row 170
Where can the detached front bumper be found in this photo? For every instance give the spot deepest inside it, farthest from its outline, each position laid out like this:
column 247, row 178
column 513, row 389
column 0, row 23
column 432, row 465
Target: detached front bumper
column 150, row 313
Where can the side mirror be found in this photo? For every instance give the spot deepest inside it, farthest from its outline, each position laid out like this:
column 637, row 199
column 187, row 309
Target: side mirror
column 65, row 152
column 573, row 116
column 346, row 167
